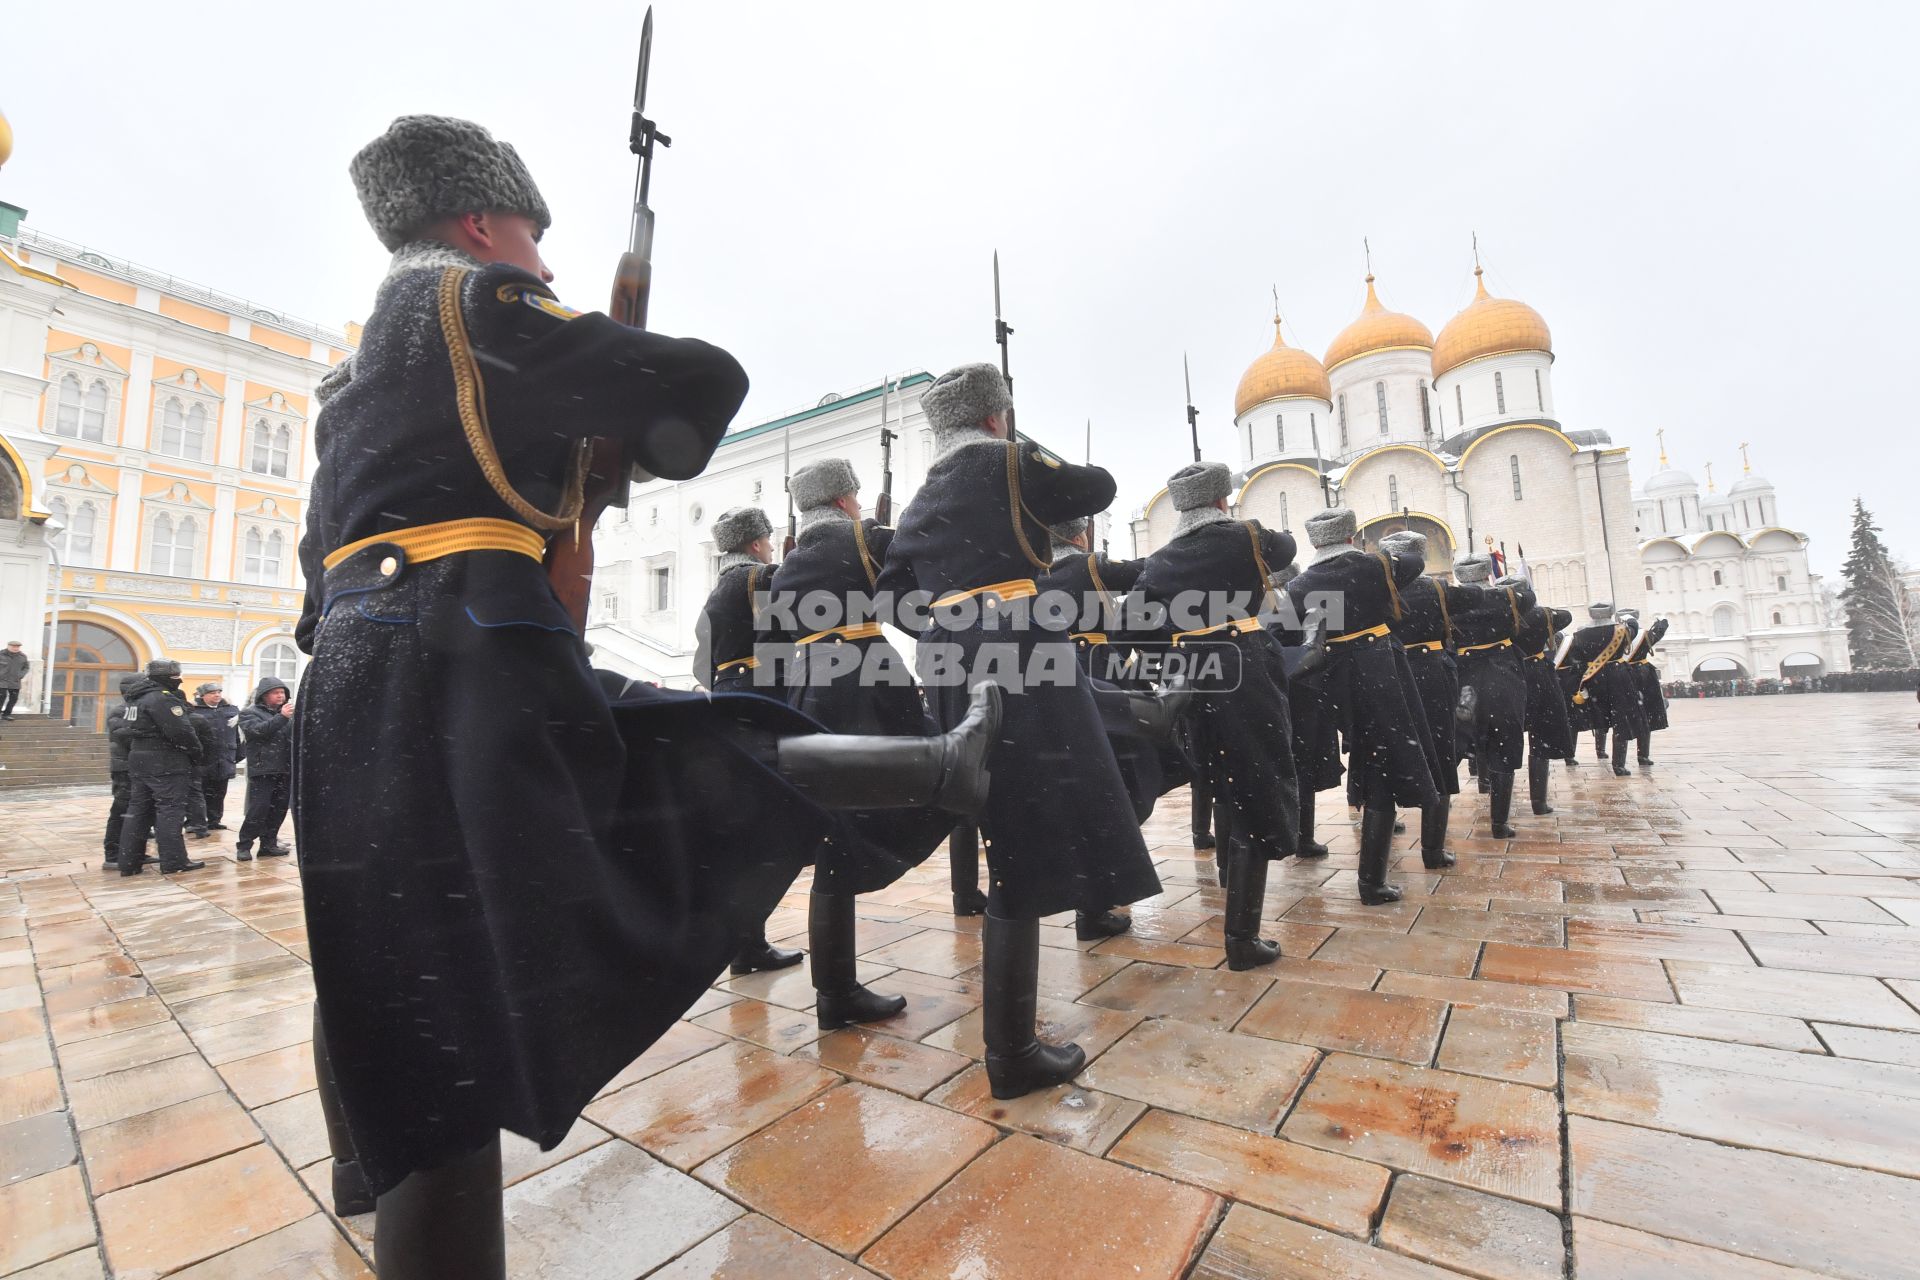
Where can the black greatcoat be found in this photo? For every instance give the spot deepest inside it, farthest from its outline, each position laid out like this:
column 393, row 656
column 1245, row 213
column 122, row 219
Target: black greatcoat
column 1498, row 736
column 1059, row 820
column 1591, row 694
column 1548, row 729
column 859, row 685
column 1623, row 687
column 1425, row 631
column 1204, row 577
column 724, row 635
column 1390, row 755
column 1653, row 699
column 512, row 888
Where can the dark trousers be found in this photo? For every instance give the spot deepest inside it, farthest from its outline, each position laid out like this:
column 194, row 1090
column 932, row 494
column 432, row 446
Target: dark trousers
column 197, row 806
column 116, row 815
column 7, row 698
column 158, row 802
column 213, row 792
column 266, row 809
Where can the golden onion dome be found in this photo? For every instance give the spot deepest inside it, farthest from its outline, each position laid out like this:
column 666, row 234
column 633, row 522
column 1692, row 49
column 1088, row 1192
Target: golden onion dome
column 1489, row 326
column 1281, row 372
column 6, row 139
column 1377, row 329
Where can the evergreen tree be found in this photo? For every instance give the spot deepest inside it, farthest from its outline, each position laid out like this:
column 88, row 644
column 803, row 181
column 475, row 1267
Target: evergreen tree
column 1881, row 615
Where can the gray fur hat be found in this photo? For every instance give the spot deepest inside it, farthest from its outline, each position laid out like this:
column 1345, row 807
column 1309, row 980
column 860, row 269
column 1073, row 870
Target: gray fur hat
column 1601, row 611
column 1066, row 533
column 1405, row 542
column 1199, row 484
column 818, row 483
column 424, row 168
column 965, row 396
column 1473, row 570
column 1332, row 527
column 735, row 528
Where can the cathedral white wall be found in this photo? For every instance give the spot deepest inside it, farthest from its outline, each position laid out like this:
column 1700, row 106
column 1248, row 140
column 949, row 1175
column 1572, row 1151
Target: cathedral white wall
column 1472, row 388
column 1280, row 498
column 1404, row 372
column 1391, row 479
column 1264, row 437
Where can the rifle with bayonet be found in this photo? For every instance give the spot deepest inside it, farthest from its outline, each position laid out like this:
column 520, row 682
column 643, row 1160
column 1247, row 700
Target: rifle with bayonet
column 1193, row 414
column 883, row 505
column 610, row 472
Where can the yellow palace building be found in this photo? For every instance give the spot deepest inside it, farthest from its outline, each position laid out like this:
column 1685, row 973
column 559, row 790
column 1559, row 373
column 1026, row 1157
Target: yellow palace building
column 155, row 454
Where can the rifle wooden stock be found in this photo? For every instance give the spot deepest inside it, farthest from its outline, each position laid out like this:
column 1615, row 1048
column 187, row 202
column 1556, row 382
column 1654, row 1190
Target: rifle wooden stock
column 570, row 555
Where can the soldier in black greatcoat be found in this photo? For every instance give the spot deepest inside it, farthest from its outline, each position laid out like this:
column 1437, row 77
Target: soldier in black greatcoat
column 1390, row 755
column 1589, row 663
column 1213, row 579
column 1490, row 667
column 162, row 752
column 1059, row 824
column 506, row 910
column 1425, row 631
column 1646, row 677
column 1316, row 733
column 1549, row 736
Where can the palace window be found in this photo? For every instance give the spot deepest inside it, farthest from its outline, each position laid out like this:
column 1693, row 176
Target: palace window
column 183, row 430
column 1716, row 579
column 1513, row 466
column 1539, row 392
column 1393, row 493
column 279, row 660
column 81, row 415
column 1460, row 403
column 1649, row 582
column 1499, row 393
column 1426, row 409
column 263, row 557
column 272, row 449
column 1343, row 422
column 1780, row 582
column 174, row 545
column 1380, row 402
column 75, row 542
column 1776, row 617
column 663, row 589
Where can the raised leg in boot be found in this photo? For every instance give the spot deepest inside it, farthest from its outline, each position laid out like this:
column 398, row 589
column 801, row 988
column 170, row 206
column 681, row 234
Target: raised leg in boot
column 1500, row 805
column 1620, row 769
column 878, row 771
column 756, row 955
column 1646, row 747
column 1309, row 847
column 1246, row 890
column 350, row 1193
column 1202, row 817
column 1223, row 833
column 843, row 1001
column 1376, row 846
column 1017, row 1062
column 1599, row 744
column 1433, row 835
column 963, row 857
column 444, row 1223
column 1537, row 764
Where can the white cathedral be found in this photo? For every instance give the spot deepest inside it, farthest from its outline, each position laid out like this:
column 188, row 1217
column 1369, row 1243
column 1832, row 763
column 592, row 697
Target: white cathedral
column 1457, row 437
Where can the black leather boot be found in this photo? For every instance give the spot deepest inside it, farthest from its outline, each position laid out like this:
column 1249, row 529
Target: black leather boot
column 757, row 955
column 880, row 771
column 1376, row 846
column 1433, row 835
column 1091, row 926
column 1017, row 1062
column 1500, row 805
column 1202, row 817
column 1155, row 712
column 1223, row 852
column 444, row 1223
column 843, row 1001
column 963, row 858
column 1246, row 889
column 1309, row 847
column 1620, row 769
column 1537, row 764
column 1646, row 747
column 1599, row 744
column 350, row 1192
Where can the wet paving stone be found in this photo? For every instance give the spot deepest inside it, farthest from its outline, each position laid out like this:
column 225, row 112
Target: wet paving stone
column 1469, row 1231
column 1070, row 1114
column 1238, row 1080
column 1368, row 1022
column 1252, row 1245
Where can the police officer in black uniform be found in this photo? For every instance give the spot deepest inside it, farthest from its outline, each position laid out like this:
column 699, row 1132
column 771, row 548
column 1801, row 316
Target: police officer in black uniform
column 1549, row 734
column 119, row 740
column 1589, row 663
column 505, row 912
column 1390, row 755
column 162, row 753
column 1424, row 629
column 1213, row 580
column 724, row 635
column 1058, row 823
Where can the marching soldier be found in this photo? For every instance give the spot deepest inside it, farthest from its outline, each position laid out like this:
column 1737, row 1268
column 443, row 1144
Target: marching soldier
column 1058, row 823
column 1646, row 676
column 1428, row 607
column 1590, row 660
column 1390, row 755
column 724, row 635
column 1490, row 667
column 1213, row 578
column 503, row 914
column 1316, row 735
column 1549, row 735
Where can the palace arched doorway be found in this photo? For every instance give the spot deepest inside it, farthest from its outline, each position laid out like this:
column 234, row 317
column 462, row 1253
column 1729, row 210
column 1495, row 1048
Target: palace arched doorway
column 89, row 660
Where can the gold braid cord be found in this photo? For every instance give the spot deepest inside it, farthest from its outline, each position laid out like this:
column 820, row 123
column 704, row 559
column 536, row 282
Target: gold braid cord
column 1606, row 656
column 1093, row 571
column 1393, row 588
column 866, row 559
column 470, row 394
column 1513, row 607
column 1019, row 506
column 1446, row 619
column 1260, row 563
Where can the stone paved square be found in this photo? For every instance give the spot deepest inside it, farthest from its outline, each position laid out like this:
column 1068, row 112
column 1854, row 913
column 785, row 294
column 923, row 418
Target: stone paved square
column 1707, row 976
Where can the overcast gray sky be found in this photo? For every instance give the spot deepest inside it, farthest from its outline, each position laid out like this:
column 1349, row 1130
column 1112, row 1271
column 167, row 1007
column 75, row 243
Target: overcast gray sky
column 1712, row 204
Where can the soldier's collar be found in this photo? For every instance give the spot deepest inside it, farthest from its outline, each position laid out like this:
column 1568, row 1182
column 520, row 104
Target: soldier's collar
column 733, row 560
column 816, row 518
column 422, row 255
column 1331, row 550
column 948, row 443
column 1199, row 518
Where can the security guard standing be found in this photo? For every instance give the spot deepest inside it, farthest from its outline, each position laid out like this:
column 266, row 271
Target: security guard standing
column 162, row 752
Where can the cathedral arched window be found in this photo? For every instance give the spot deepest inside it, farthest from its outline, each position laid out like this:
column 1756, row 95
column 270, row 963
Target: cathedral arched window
column 1513, row 466
column 1460, row 403
column 1283, row 512
column 1723, row 620
column 1343, row 422
column 1380, row 403
column 1393, row 493
column 1280, row 432
column 1539, row 392
column 1780, row 582
column 1649, row 582
column 1499, row 393
column 1776, row 617
column 1718, row 581
column 1426, row 409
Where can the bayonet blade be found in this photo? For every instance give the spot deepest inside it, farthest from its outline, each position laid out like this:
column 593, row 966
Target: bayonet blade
column 646, row 56
column 1188, row 371
column 996, row 284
